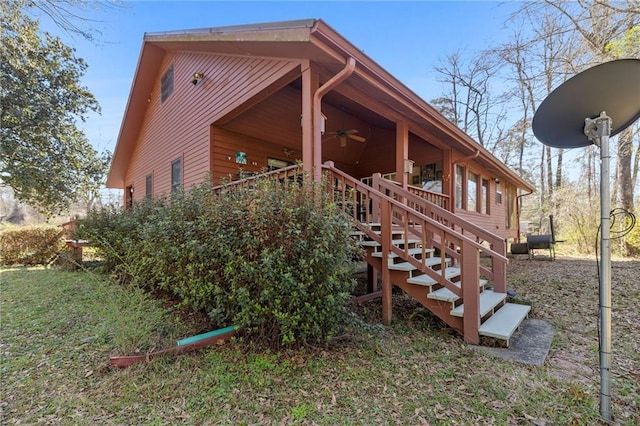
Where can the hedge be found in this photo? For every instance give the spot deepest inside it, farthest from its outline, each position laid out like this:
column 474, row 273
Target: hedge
column 31, row 245
column 276, row 259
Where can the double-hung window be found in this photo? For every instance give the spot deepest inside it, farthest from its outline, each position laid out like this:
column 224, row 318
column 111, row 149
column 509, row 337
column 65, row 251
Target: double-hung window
column 176, row 175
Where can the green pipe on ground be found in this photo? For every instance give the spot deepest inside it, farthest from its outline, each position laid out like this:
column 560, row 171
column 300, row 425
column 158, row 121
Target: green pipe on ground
column 198, row 337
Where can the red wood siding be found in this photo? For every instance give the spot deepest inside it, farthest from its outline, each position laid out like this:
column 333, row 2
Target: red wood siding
column 275, row 119
column 225, row 144
column 179, row 127
column 494, row 221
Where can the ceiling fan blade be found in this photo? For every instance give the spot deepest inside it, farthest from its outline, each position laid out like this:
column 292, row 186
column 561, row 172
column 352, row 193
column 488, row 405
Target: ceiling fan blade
column 351, row 131
column 357, row 138
column 343, row 141
column 329, row 138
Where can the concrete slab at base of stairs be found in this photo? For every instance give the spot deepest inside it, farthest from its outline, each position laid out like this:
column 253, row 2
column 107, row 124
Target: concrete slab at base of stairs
column 530, row 345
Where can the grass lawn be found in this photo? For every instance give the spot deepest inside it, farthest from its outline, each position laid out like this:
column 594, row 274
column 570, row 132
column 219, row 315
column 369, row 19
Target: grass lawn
column 59, row 328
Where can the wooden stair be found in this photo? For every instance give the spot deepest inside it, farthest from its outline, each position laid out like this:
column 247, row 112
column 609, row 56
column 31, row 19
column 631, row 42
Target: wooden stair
column 499, row 320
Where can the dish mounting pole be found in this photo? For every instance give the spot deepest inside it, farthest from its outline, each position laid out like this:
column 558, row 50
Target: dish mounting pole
column 598, row 131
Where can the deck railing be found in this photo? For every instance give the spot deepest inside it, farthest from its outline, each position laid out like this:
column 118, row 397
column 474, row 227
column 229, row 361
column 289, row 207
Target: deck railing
column 494, row 246
column 441, row 200
column 287, row 175
column 394, row 208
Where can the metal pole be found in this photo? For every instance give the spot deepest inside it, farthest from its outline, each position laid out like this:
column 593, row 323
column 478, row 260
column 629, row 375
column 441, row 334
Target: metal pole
column 605, row 282
column 598, row 130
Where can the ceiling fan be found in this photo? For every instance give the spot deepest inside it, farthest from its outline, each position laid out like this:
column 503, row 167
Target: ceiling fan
column 343, row 135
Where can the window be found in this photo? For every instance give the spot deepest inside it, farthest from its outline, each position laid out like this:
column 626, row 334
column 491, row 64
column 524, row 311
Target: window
column 166, row 84
column 148, row 191
column 459, row 188
column 472, row 192
column 498, row 192
column 484, row 197
column 176, row 175
column 275, row 164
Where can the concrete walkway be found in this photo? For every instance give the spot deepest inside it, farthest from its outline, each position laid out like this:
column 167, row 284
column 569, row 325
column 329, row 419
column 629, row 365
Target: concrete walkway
column 530, row 345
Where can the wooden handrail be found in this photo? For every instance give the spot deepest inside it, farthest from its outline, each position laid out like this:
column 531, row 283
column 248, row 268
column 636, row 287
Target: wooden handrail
column 497, row 245
column 412, row 221
column 283, row 173
column 441, row 200
column 433, row 209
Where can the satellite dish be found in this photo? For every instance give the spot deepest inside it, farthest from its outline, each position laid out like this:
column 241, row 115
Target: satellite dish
column 613, row 87
column 589, row 108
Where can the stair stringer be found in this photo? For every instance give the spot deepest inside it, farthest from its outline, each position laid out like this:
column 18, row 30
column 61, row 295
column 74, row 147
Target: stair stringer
column 439, row 308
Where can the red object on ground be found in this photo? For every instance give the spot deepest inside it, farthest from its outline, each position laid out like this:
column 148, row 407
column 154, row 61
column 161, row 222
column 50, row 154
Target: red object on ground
column 125, row 361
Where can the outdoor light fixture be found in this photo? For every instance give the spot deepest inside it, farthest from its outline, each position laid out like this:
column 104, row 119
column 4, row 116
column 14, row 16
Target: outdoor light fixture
column 408, row 166
column 322, row 125
column 196, row 78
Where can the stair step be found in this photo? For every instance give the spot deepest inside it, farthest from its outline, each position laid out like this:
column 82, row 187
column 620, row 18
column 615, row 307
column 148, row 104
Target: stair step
column 406, row 266
column 446, row 295
column 426, row 280
column 411, row 252
column 488, row 300
column 443, row 294
column 394, row 242
column 504, row 322
column 371, row 224
column 358, row 233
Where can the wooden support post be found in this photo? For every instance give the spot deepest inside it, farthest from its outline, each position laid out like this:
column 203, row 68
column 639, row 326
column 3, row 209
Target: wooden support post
column 470, row 292
column 385, row 228
column 402, row 152
column 371, row 284
column 499, row 268
column 310, row 83
column 375, row 207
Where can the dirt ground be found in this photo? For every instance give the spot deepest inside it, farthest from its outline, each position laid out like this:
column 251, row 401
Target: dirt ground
column 565, row 293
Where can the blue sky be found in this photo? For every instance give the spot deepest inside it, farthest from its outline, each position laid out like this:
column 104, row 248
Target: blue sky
column 406, row 38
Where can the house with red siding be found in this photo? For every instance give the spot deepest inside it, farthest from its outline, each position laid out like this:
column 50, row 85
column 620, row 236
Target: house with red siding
column 233, row 102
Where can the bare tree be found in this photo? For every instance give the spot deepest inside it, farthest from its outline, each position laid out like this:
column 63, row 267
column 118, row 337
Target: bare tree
column 70, row 15
column 468, row 101
column 605, row 31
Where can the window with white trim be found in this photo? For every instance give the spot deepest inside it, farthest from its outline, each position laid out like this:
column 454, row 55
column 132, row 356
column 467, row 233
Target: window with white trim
column 176, row 175
column 148, row 186
column 459, row 186
column 484, row 197
column 472, row 192
column 166, row 84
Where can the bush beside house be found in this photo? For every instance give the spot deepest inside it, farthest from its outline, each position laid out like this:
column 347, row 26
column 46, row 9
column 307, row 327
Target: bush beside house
column 275, row 259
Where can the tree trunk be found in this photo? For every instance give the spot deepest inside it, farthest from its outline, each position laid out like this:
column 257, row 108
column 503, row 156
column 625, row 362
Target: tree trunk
column 542, row 179
column 549, row 176
column 636, row 164
column 590, row 175
column 559, row 170
column 624, row 178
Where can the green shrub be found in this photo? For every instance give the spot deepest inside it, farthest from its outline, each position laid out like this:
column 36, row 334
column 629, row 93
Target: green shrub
column 275, row 259
column 31, row 245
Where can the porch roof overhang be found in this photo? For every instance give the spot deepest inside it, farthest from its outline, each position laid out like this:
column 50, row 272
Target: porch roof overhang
column 311, row 40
